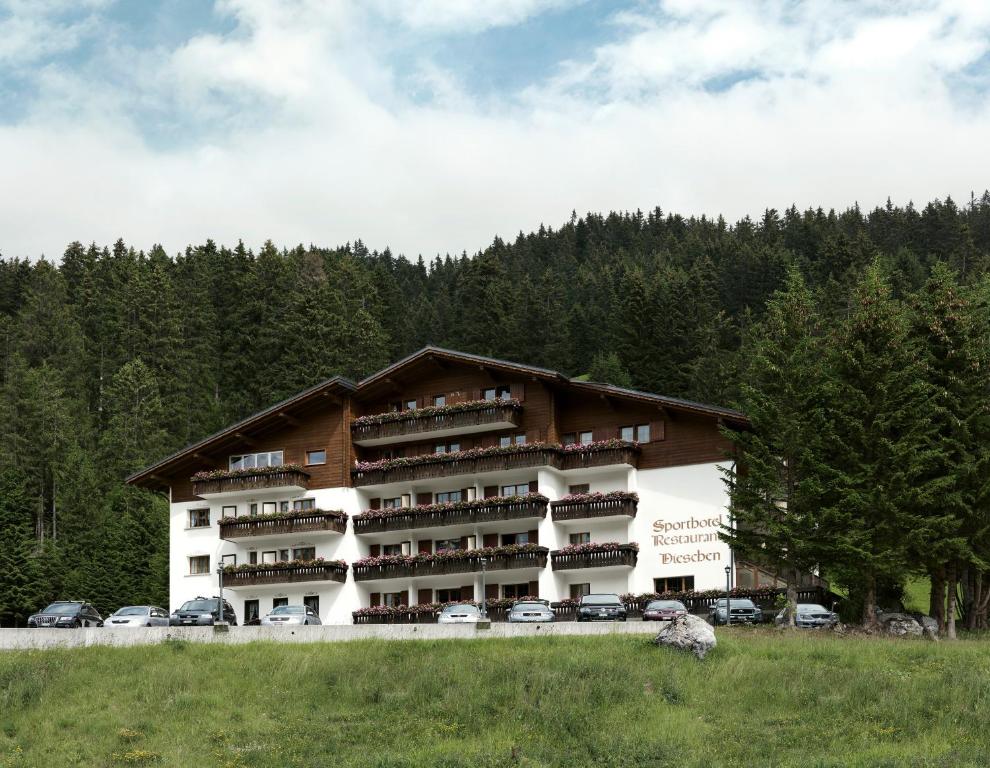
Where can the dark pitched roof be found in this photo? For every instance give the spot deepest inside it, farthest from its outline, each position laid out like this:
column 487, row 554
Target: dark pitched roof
column 350, row 387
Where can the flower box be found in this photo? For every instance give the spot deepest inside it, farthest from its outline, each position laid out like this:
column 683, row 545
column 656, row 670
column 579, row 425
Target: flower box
column 473, row 461
column 287, row 572
column 580, row 506
column 454, row 513
column 593, row 555
column 450, row 562
column 299, row 521
column 223, row 481
column 475, row 415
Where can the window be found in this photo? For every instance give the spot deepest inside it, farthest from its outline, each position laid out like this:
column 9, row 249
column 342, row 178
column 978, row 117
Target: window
column 496, row 393
column 506, row 440
column 312, row 602
column 580, row 590
column 283, row 506
column 402, row 405
column 673, row 584
column 283, row 555
column 391, row 549
column 252, row 611
column 585, row 438
column 583, row 537
column 278, row 602
column 448, row 496
column 447, row 544
column 568, row 439
column 253, row 558
column 515, row 490
column 268, row 508
column 199, row 518
column 446, row 447
column 268, row 557
column 300, row 505
column 316, row 457
column 582, row 488
column 514, row 538
column 639, row 433
column 229, row 559
column 393, row 503
column 230, row 511
column 253, row 509
column 199, row 565
column 252, row 460
column 439, row 400
column 392, row 599
column 449, row 595
column 515, row 591
column 304, row 553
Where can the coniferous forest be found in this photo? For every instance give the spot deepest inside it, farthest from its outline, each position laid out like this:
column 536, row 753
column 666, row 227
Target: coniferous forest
column 857, row 341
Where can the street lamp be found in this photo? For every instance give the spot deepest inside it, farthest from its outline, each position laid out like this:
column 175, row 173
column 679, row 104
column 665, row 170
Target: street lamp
column 484, row 608
column 728, row 588
column 220, row 599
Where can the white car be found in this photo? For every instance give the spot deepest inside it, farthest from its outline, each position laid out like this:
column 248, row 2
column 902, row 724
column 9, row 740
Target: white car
column 291, row 615
column 460, row 614
column 138, row 616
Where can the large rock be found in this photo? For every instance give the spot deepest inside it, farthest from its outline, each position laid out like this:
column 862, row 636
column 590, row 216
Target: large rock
column 900, row 625
column 929, row 627
column 688, row 633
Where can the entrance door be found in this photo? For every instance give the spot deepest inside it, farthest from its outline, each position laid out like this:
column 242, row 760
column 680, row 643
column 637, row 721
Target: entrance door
column 312, row 601
column 251, row 611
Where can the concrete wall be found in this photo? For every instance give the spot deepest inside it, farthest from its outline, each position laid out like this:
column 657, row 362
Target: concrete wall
column 13, row 639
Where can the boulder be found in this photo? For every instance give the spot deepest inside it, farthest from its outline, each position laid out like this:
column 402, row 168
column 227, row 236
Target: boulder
column 688, row 633
column 900, row 625
column 929, row 627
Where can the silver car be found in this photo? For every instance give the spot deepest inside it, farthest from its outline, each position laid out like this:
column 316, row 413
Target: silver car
column 460, row 614
column 138, row 616
column 290, row 616
column 531, row 610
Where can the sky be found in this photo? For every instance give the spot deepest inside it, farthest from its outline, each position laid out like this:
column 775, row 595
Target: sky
column 432, row 126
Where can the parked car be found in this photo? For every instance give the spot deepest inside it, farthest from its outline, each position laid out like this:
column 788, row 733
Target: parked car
column 810, row 615
column 531, row 611
column 290, row 615
column 742, row 611
column 67, row 614
column 201, row 612
column 602, row 607
column 460, row 614
column 663, row 610
column 138, row 616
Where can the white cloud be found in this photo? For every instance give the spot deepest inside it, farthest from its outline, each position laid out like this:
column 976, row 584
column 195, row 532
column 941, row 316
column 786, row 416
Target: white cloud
column 301, row 129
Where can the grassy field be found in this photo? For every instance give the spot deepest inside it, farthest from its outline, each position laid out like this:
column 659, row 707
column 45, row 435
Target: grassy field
column 762, row 698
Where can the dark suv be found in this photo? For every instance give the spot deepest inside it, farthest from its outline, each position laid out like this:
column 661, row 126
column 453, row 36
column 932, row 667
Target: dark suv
column 67, row 614
column 201, row 612
column 601, row 608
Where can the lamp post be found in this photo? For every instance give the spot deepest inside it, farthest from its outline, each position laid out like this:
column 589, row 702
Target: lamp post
column 484, row 601
column 220, row 599
column 728, row 588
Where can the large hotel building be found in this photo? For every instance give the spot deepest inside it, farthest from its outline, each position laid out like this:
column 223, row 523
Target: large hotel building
column 401, row 488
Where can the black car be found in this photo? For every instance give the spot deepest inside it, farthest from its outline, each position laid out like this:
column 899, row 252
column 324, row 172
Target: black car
column 67, row 614
column 601, row 608
column 201, row 612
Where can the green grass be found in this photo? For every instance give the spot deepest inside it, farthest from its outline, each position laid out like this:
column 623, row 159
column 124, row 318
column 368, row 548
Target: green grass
column 762, row 698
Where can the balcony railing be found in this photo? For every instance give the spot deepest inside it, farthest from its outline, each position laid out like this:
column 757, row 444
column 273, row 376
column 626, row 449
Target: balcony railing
column 437, row 515
column 592, row 506
column 241, row 480
column 595, row 557
column 285, row 574
column 432, row 565
column 599, row 457
column 294, row 522
column 449, row 464
column 430, row 421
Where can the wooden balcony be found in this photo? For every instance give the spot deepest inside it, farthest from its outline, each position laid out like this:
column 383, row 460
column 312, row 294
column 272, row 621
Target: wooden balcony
column 292, row 574
column 315, row 521
column 583, row 510
column 292, row 480
column 600, row 457
column 411, row 567
column 623, row 555
column 442, row 465
column 435, row 515
column 436, row 425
